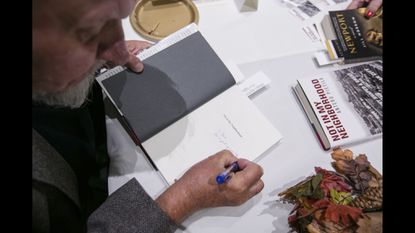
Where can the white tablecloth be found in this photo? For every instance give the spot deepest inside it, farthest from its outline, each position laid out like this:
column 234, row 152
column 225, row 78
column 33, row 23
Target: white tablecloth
column 270, row 40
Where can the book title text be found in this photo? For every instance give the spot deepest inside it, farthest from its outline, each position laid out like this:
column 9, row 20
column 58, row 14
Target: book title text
column 327, row 113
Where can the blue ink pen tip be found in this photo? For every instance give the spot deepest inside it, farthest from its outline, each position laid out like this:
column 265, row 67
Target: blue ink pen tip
column 224, row 176
column 220, row 179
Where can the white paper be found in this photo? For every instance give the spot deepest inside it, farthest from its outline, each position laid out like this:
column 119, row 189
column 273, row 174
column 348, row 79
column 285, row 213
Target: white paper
column 229, row 121
column 305, row 10
column 255, row 83
column 235, row 71
column 312, row 33
column 323, row 59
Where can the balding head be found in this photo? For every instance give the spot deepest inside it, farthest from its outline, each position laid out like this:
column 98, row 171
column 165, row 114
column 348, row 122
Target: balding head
column 71, row 38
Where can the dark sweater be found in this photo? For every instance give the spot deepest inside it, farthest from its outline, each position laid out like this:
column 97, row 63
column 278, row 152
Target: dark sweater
column 69, row 177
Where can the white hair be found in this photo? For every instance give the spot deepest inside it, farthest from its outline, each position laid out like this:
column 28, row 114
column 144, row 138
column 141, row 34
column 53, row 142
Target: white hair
column 73, row 97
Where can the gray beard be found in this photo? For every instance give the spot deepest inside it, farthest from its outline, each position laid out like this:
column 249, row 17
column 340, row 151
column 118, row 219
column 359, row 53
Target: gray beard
column 72, row 97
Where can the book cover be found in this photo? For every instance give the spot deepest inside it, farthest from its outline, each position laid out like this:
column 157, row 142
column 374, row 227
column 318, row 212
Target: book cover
column 185, row 105
column 356, row 38
column 344, row 106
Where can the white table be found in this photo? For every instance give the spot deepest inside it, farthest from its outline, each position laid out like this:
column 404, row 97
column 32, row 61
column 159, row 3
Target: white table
column 271, row 31
column 285, row 164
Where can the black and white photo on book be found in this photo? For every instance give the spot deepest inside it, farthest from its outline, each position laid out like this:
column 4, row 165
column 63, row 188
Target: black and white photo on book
column 344, row 106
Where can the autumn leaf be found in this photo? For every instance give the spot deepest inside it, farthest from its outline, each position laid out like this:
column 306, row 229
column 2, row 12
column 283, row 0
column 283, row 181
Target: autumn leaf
column 346, row 167
column 340, row 198
column 323, row 203
column 316, row 180
column 310, row 189
column 332, row 181
column 357, row 171
column 362, row 162
column 292, row 218
column 342, row 214
column 339, row 154
column 316, row 192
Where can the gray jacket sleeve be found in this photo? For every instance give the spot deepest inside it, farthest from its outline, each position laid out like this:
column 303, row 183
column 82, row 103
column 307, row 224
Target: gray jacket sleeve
column 130, row 209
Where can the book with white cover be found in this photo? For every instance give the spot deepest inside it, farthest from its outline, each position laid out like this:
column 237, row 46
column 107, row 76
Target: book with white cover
column 186, row 106
column 344, row 106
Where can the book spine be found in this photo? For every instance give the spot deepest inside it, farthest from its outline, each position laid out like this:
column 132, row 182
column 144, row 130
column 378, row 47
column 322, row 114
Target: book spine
column 136, row 140
column 362, row 59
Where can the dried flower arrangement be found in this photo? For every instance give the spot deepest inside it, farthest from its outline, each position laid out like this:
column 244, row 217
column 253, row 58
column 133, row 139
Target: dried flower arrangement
column 348, row 199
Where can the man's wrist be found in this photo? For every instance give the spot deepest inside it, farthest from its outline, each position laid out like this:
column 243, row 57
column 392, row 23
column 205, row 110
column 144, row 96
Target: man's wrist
column 177, row 203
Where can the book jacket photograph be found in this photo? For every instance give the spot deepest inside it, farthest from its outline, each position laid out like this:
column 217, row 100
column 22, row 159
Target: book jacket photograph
column 346, row 104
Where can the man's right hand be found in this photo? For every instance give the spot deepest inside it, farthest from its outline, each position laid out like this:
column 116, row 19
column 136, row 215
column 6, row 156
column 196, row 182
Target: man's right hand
column 197, row 188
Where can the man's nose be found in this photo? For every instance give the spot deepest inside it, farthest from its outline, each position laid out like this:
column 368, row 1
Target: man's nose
column 117, row 54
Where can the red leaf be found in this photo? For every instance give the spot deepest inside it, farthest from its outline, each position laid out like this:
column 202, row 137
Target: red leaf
column 343, row 213
column 292, row 218
column 332, row 181
column 323, row 203
column 301, row 213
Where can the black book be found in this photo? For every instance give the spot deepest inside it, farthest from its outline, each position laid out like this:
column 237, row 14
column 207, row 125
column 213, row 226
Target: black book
column 351, row 37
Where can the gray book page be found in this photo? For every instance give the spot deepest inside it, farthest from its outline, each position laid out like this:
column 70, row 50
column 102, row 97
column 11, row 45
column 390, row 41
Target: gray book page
column 175, row 81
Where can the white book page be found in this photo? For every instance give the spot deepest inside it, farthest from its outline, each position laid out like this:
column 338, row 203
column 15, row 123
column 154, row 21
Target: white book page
column 229, row 121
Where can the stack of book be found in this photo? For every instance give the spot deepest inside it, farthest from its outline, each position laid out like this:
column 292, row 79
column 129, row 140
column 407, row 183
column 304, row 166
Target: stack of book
column 350, row 37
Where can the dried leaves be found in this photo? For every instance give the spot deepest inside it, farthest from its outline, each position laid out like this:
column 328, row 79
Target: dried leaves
column 357, row 170
column 331, row 180
column 344, row 214
column 341, row 198
column 335, row 201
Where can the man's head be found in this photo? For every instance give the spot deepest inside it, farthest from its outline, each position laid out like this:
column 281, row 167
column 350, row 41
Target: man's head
column 70, row 40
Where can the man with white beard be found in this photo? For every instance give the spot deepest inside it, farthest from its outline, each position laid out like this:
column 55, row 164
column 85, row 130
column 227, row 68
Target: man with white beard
column 71, row 39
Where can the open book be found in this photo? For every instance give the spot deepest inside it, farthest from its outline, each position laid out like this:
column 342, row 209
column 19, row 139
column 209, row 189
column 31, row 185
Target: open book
column 185, row 105
column 344, row 106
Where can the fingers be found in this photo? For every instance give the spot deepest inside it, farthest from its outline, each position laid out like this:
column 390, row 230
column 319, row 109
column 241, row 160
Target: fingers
column 248, row 179
column 373, row 6
column 256, row 188
column 356, row 4
column 202, row 190
column 226, row 158
column 117, row 54
column 243, row 163
column 250, row 173
column 136, row 46
column 135, row 64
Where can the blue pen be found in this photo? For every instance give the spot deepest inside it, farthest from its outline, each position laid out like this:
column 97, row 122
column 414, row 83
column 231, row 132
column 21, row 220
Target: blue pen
column 224, row 176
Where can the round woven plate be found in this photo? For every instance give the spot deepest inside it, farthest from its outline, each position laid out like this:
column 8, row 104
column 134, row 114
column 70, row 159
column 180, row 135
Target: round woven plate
column 156, row 19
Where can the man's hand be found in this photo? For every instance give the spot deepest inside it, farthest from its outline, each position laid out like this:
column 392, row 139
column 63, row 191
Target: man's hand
column 372, row 7
column 197, row 188
column 134, row 47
